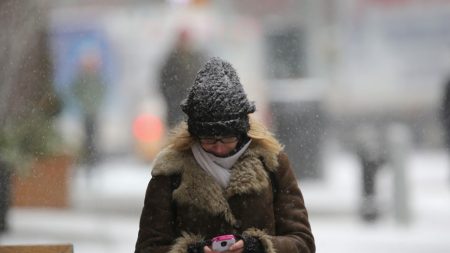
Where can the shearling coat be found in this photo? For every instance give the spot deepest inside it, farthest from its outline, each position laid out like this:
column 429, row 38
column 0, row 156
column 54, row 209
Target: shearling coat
column 183, row 204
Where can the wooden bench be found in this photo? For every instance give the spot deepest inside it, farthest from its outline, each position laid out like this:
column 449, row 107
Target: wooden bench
column 63, row 248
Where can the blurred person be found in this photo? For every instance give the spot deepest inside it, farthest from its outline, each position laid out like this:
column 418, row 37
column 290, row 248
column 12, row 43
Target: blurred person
column 177, row 73
column 222, row 173
column 5, row 195
column 88, row 89
column 369, row 151
column 445, row 116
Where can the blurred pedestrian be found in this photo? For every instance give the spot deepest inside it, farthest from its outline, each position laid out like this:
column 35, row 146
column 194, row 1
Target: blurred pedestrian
column 222, row 174
column 5, row 195
column 371, row 156
column 88, row 89
column 445, row 116
column 177, row 74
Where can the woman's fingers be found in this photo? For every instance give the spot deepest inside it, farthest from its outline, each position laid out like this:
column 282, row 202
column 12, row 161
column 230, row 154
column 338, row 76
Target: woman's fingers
column 237, row 246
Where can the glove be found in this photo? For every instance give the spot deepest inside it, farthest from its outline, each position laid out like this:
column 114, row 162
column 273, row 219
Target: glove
column 197, row 247
column 252, row 245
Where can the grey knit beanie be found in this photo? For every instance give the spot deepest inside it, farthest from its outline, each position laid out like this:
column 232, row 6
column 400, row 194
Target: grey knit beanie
column 216, row 104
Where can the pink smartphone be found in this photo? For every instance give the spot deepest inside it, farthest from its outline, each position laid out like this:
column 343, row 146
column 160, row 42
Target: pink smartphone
column 222, row 242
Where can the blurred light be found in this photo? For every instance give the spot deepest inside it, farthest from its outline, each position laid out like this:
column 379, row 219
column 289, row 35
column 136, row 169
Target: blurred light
column 148, row 128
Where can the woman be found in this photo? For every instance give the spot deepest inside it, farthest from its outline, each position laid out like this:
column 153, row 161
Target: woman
column 222, row 173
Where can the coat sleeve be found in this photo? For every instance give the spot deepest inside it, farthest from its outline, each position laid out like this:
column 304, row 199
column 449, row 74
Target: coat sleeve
column 156, row 227
column 293, row 231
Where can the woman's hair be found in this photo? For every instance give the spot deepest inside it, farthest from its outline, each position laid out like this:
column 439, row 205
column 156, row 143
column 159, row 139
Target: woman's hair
column 180, row 139
column 260, row 135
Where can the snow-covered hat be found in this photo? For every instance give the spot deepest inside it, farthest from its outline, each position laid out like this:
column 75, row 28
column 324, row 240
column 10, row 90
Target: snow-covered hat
column 216, row 104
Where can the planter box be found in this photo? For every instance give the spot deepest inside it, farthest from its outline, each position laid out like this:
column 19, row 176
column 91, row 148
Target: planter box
column 67, row 248
column 45, row 185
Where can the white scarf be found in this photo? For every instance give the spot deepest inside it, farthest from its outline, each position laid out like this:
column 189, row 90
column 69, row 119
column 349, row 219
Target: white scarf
column 217, row 167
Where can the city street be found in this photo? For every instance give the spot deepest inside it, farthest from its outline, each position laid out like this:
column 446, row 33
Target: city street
column 356, row 92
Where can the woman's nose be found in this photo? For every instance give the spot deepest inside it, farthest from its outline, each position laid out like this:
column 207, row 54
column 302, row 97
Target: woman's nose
column 219, row 148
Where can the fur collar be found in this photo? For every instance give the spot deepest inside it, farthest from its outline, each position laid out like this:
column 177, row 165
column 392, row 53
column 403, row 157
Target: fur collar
column 197, row 188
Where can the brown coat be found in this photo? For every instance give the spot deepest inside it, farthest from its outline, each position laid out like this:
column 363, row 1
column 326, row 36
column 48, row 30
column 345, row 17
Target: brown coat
column 199, row 209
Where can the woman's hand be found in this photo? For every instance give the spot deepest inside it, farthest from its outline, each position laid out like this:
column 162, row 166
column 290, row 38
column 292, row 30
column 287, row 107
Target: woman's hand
column 237, row 247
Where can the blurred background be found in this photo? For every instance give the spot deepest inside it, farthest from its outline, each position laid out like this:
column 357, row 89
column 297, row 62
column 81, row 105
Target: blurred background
column 354, row 89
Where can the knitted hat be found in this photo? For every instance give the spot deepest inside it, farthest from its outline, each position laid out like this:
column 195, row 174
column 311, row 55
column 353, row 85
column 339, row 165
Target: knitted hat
column 216, row 104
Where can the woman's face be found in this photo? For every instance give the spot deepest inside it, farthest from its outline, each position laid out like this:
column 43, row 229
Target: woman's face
column 219, row 146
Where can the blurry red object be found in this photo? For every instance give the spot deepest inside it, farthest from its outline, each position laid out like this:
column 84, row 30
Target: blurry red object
column 148, row 128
